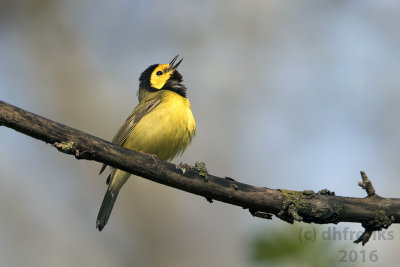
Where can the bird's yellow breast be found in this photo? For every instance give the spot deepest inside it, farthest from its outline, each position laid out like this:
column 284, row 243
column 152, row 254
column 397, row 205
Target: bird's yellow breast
column 166, row 130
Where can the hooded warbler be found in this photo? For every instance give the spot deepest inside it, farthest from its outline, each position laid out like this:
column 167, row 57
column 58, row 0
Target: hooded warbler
column 162, row 124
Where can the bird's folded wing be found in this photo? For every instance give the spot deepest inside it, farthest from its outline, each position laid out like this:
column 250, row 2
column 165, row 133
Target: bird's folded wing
column 143, row 108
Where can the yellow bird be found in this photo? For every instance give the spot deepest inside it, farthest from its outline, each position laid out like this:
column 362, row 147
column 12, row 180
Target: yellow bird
column 162, row 124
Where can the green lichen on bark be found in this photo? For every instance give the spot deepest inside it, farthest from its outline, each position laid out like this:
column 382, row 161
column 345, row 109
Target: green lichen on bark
column 66, row 147
column 295, row 197
column 292, row 202
column 381, row 221
column 201, row 169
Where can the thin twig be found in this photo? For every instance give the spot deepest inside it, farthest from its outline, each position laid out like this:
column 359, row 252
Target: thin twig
column 366, row 184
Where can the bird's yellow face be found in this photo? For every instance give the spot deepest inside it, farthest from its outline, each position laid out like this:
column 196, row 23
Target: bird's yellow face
column 163, row 72
column 160, row 75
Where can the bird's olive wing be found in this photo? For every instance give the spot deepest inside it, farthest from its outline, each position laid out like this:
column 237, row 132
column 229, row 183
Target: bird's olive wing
column 137, row 114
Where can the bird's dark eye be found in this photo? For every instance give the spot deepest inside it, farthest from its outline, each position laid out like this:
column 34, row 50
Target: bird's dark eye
column 159, row 73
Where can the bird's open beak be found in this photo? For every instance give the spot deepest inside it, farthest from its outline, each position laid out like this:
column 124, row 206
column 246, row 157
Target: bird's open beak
column 172, row 65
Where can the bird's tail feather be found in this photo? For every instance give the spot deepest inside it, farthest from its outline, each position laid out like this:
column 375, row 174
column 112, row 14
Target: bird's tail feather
column 106, row 208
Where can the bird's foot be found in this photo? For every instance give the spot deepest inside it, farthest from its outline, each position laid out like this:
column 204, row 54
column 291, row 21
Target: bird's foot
column 151, row 156
column 183, row 167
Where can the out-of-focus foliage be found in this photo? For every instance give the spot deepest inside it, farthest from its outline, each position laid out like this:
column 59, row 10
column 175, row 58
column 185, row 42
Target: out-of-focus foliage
column 283, row 246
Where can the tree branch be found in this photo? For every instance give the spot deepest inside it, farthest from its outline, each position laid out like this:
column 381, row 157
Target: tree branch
column 374, row 212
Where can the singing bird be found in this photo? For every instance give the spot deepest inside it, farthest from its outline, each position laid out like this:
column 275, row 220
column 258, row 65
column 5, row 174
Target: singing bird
column 162, row 124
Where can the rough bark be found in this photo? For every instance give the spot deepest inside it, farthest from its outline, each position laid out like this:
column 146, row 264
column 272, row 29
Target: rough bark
column 373, row 212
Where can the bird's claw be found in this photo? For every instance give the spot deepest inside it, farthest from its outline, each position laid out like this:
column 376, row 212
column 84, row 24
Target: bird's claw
column 152, row 157
column 183, row 167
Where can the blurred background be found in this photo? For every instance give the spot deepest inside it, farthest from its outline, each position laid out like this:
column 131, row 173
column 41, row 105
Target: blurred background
column 286, row 94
